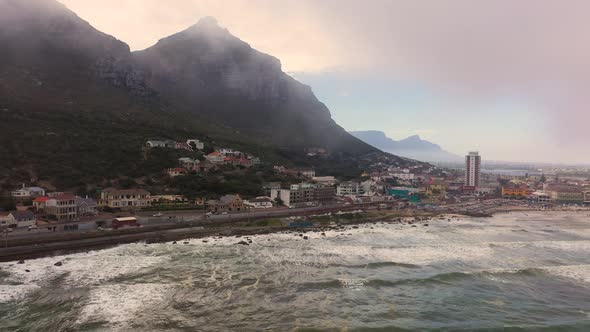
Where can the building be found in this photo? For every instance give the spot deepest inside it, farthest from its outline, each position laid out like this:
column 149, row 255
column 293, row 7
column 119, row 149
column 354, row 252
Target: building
column 472, row 169
column 28, row 192
column 404, row 175
column 565, row 194
column 349, row 188
column 18, row 219
column 515, row 190
column 189, row 164
column 227, row 203
column 124, row 199
column 39, row 203
column 195, row 144
column 163, row 199
column 435, row 187
column 63, row 207
column 587, row 197
column 215, row 157
column 160, row 144
column 304, row 194
column 261, row 202
column 86, row 206
column 540, row 197
column 308, row 173
column 177, row 171
column 325, row 180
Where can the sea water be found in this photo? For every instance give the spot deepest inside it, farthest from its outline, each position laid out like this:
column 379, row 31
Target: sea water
column 518, row 271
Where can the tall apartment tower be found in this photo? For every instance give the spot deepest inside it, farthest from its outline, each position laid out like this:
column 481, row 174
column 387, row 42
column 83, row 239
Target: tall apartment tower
column 472, row 169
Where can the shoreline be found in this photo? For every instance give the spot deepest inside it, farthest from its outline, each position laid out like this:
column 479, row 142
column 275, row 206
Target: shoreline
column 236, row 228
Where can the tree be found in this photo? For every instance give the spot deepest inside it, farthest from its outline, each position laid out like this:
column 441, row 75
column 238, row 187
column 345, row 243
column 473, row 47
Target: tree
column 279, row 201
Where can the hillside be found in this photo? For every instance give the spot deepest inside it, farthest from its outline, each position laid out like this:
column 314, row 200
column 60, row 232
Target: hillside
column 411, row 147
column 76, row 105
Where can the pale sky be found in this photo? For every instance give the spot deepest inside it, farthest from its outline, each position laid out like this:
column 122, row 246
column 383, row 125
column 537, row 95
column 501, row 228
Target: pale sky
column 508, row 78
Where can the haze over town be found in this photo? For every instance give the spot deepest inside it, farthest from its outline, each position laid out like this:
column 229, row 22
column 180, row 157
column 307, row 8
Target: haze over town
column 508, row 78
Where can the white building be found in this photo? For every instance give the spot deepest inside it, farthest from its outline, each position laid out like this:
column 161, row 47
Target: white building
column 472, row 169
column 325, row 180
column 28, row 192
column 198, row 144
column 261, row 202
column 407, row 176
column 349, row 188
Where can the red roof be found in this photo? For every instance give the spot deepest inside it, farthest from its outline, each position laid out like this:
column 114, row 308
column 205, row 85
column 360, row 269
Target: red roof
column 42, row 199
column 214, row 153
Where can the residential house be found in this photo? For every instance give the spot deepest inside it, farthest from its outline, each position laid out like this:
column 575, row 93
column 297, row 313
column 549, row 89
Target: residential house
column 183, row 146
column 124, row 199
column 160, row 144
column 18, row 219
column 196, row 144
column 177, row 171
column 189, row 164
column 308, row 173
column 39, row 203
column 86, row 206
column 261, row 202
column 215, row 157
column 5, row 219
column 63, row 207
column 28, row 192
column 161, row 199
column 227, row 203
column 229, row 152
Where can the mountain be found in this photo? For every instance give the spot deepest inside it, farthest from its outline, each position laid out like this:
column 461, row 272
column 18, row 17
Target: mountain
column 412, row 147
column 75, row 103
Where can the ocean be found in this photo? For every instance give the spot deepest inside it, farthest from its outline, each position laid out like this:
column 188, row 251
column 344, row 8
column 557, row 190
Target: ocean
column 518, row 271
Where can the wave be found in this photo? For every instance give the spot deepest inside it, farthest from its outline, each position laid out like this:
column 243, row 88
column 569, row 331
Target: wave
column 377, row 265
column 442, row 279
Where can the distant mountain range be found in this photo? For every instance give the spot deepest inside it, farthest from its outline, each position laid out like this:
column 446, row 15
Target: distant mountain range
column 77, row 103
column 412, row 147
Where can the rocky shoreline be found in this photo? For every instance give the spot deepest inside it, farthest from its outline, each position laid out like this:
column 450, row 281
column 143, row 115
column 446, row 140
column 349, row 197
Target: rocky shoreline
column 242, row 233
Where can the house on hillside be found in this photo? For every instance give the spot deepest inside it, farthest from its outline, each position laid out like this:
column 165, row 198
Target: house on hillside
column 189, row 164
column 215, row 157
column 196, row 144
column 177, row 171
column 160, row 144
column 28, row 192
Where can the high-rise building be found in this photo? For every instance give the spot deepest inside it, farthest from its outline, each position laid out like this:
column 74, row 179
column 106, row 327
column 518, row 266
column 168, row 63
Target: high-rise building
column 472, row 169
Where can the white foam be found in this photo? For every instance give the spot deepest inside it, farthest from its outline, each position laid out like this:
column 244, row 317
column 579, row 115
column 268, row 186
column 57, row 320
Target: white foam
column 577, row 272
column 119, row 304
column 15, row 292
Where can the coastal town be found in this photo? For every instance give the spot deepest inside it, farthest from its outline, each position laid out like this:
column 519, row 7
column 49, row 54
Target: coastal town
column 302, row 192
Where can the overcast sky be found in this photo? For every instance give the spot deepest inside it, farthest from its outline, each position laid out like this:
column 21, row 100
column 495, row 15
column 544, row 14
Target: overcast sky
column 508, row 78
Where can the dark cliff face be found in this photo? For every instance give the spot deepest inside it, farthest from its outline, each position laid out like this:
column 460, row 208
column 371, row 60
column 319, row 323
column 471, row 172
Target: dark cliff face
column 217, row 76
column 57, row 72
column 44, row 32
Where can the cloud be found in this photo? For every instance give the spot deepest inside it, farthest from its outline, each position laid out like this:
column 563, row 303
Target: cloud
column 476, row 52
